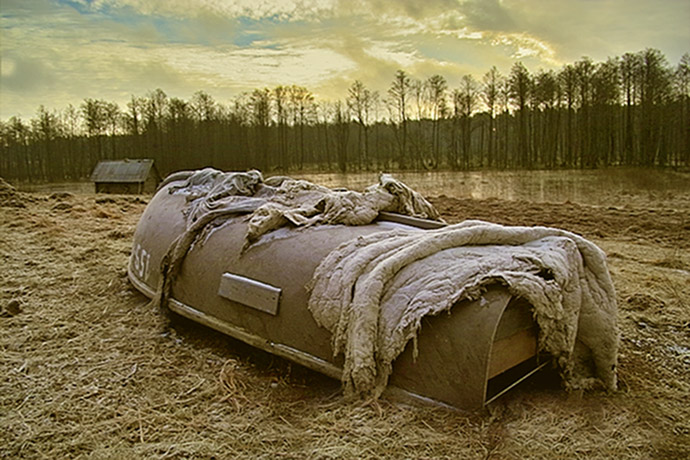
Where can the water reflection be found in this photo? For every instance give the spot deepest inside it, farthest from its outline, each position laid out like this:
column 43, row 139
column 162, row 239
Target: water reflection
column 608, row 187
column 594, row 187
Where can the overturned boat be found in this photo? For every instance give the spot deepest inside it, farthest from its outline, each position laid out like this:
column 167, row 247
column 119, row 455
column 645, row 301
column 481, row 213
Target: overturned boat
column 372, row 288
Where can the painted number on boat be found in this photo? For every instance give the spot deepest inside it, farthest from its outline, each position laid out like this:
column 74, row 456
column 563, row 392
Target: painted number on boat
column 141, row 262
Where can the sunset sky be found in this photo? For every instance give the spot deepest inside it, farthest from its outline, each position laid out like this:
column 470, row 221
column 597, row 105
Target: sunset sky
column 57, row 52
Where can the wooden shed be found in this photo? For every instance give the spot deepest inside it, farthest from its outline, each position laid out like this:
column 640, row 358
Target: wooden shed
column 125, row 176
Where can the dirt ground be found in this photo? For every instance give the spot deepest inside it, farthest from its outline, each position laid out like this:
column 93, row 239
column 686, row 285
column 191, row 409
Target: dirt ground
column 89, row 370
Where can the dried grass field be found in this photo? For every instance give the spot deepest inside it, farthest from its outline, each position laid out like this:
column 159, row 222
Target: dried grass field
column 89, row 370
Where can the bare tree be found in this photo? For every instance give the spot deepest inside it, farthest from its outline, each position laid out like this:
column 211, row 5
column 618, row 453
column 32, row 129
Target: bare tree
column 399, row 92
column 568, row 81
column 94, row 114
column 466, row 99
column 135, row 115
column 490, row 95
column 605, row 98
column 520, row 87
column 437, row 88
column 178, row 128
column 419, row 91
column 629, row 69
column 260, row 103
column 45, row 130
column 280, row 99
column 93, row 111
column 504, row 105
column 155, row 108
column 359, row 101
column 17, row 141
column 240, row 119
column 71, row 121
column 682, row 87
column 113, row 119
column 546, row 98
column 303, row 110
column 655, row 91
column 584, row 71
column 341, row 122
column 203, row 108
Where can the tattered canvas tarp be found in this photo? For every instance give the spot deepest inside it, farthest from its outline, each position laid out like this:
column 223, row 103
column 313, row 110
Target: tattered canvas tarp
column 372, row 292
column 213, row 197
column 280, row 200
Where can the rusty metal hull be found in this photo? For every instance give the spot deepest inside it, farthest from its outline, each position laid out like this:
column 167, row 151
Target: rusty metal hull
column 259, row 297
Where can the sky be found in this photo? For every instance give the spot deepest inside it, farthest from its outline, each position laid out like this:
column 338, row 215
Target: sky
column 60, row 52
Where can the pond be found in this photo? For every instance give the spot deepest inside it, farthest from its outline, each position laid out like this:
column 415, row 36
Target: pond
column 603, row 187
column 607, row 187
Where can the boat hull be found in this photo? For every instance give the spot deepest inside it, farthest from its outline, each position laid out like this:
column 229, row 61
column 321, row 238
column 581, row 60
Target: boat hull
column 259, row 295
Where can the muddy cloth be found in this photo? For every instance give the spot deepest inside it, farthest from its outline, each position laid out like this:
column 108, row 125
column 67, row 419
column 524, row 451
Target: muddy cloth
column 372, row 293
column 280, row 201
column 213, row 197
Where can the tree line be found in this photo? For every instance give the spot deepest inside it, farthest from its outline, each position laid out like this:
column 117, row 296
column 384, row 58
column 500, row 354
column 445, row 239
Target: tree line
column 628, row 110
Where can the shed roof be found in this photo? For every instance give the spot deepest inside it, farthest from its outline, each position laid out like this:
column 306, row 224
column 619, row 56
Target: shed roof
column 129, row 171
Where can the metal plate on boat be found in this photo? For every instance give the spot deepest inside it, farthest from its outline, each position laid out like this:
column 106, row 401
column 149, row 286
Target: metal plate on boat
column 249, row 292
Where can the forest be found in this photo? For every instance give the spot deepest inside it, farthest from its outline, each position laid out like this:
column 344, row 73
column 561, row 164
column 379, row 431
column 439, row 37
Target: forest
column 628, row 110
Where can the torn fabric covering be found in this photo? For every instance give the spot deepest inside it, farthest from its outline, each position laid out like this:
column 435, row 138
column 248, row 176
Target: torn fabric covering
column 214, row 196
column 373, row 292
column 280, row 200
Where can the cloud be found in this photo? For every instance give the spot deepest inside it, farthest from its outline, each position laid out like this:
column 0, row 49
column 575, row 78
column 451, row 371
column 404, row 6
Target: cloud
column 21, row 74
column 488, row 15
column 280, row 10
column 387, row 9
column 566, row 30
column 254, row 9
column 56, row 52
column 244, row 69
